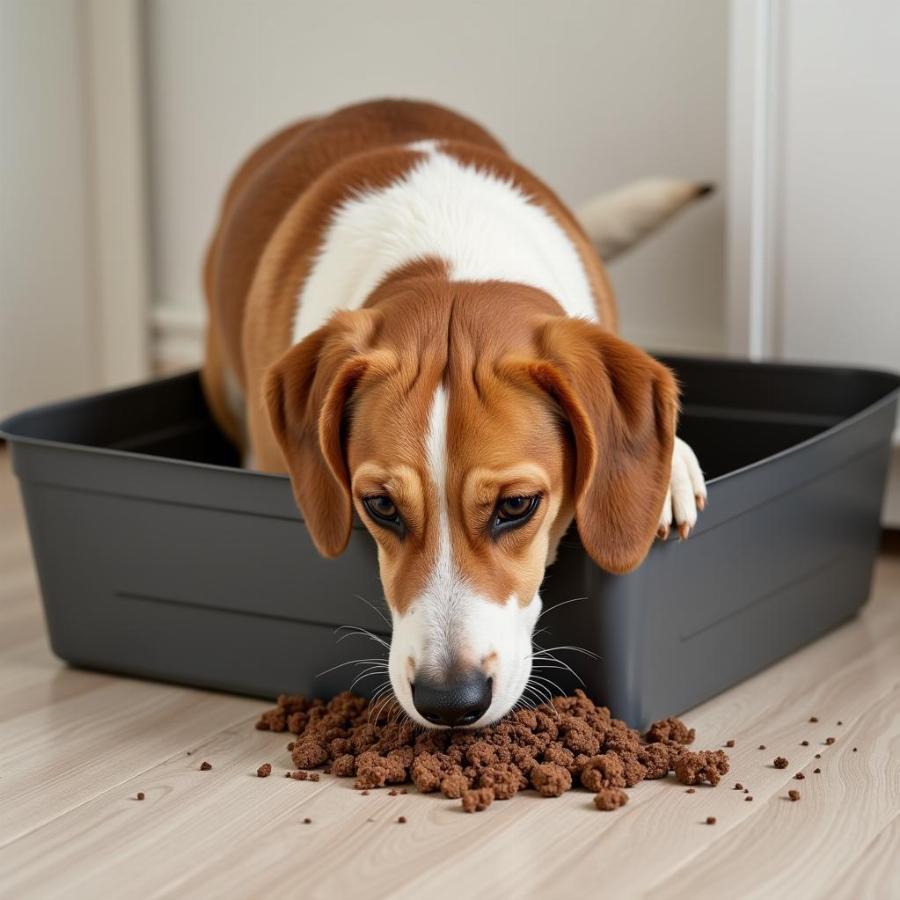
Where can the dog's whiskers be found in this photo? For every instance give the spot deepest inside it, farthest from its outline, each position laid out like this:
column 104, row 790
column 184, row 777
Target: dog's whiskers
column 351, row 662
column 358, row 631
column 375, row 609
column 550, row 609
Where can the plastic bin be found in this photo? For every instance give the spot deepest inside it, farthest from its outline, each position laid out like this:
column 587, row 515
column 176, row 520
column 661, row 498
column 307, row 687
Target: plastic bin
column 158, row 557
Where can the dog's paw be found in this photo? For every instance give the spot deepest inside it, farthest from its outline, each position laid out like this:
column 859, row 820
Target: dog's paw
column 686, row 495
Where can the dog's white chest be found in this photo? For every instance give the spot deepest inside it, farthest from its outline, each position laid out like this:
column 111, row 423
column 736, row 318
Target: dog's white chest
column 481, row 225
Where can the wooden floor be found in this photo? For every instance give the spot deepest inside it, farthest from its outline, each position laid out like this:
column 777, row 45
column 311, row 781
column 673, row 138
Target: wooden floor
column 76, row 747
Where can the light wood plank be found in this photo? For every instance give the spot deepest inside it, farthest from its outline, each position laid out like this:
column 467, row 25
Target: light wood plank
column 845, row 808
column 876, row 871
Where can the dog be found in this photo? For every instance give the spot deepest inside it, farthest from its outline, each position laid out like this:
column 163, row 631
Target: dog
column 414, row 328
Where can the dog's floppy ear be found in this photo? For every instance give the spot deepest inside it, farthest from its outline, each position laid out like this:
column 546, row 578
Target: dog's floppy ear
column 307, row 392
column 622, row 407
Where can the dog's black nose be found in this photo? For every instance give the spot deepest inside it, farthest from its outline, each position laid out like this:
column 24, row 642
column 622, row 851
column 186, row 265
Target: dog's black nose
column 462, row 701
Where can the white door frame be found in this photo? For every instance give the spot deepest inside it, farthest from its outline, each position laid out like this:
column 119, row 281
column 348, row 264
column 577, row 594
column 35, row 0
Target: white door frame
column 115, row 92
column 756, row 31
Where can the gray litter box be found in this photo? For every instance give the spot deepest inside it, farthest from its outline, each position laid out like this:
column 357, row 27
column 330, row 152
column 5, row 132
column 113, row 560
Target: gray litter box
column 158, row 557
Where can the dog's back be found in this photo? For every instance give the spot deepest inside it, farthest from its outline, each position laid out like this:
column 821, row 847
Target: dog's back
column 262, row 192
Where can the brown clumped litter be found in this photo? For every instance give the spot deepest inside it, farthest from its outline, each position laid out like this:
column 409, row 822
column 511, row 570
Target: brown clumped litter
column 609, row 799
column 711, row 820
column 793, row 795
column 205, row 766
column 566, row 743
column 780, row 762
column 140, row 795
column 265, row 770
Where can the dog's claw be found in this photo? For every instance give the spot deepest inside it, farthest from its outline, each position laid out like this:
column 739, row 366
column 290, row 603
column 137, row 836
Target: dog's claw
column 663, row 532
column 684, row 530
column 701, row 502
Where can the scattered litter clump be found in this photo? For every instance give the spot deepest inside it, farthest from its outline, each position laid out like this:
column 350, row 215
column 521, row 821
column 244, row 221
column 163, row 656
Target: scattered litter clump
column 813, row 719
column 205, row 766
column 140, row 795
column 710, row 820
column 608, row 799
column 817, row 771
column 729, row 744
column 762, row 746
column 830, row 741
column 780, row 762
column 401, row 820
column 799, row 776
column 706, row 766
column 307, row 820
column 794, row 796
column 563, row 744
column 804, row 743
column 265, row 770
column 477, row 800
column 738, row 787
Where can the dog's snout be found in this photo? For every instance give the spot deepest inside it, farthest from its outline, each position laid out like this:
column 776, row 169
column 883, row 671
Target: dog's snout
column 458, row 702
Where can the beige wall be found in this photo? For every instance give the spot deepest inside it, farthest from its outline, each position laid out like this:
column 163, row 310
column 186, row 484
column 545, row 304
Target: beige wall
column 47, row 349
column 588, row 93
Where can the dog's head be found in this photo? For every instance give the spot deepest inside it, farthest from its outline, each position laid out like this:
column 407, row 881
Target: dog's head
column 467, row 424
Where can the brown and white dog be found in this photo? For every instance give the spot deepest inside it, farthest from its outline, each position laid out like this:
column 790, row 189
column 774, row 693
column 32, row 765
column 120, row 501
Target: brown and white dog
column 414, row 327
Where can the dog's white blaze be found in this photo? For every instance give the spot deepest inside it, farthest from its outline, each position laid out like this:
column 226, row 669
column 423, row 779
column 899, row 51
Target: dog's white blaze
column 449, row 616
column 484, row 227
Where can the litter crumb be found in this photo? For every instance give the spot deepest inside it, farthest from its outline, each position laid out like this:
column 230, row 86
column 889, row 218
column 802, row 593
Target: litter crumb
column 307, row 820
column 830, row 741
column 738, row 787
column 729, row 743
column 608, row 799
column 706, row 766
column 265, row 770
column 780, row 762
column 365, row 793
column 840, row 722
column 691, row 791
column 205, row 766
column 799, row 776
column 813, row 719
column 762, row 746
column 794, row 795
column 710, row 820
column 804, row 743
column 748, row 798
column 817, row 771
column 401, row 820
column 477, row 800
column 140, row 795
column 854, row 749
column 818, row 756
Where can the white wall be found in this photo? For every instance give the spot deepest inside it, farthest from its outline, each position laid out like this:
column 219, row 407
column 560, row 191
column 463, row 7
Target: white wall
column 837, row 297
column 588, row 93
column 46, row 346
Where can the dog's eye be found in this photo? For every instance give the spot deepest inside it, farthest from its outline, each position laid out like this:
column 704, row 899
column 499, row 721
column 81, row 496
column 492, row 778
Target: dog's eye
column 514, row 511
column 384, row 511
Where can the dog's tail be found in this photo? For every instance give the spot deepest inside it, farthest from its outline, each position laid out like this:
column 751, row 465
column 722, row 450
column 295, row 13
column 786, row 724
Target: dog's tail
column 616, row 221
